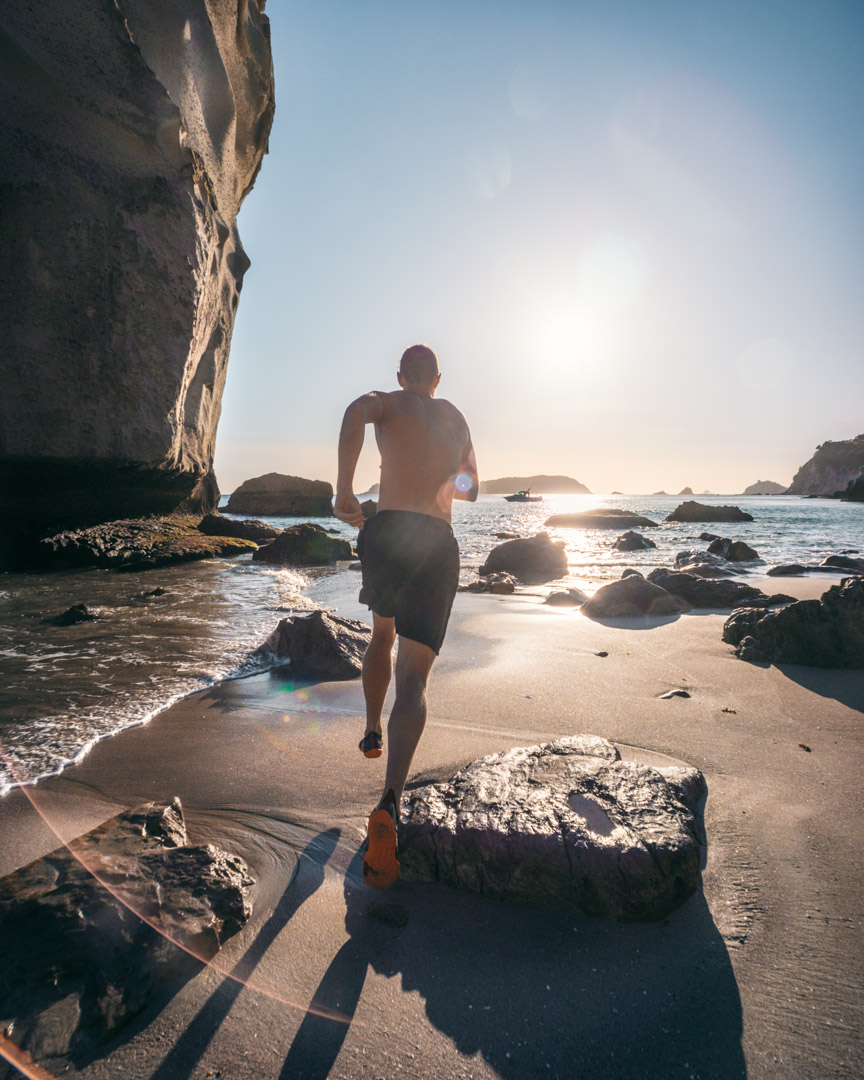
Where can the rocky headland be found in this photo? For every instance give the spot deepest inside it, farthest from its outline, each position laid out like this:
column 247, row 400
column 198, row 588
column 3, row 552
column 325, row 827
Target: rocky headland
column 765, row 487
column 123, row 173
column 833, row 468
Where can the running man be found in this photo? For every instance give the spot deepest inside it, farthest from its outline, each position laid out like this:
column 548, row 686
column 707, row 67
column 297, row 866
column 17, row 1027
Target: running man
column 410, row 562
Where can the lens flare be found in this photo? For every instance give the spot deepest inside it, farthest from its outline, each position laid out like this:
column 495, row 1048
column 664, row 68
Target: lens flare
column 463, row 482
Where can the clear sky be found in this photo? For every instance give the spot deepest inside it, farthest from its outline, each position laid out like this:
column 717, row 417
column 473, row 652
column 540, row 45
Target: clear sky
column 632, row 231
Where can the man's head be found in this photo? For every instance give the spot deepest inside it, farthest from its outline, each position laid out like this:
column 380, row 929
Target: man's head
column 418, row 369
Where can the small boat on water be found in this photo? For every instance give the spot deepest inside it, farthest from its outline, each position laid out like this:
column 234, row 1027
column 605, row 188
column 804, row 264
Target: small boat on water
column 523, row 496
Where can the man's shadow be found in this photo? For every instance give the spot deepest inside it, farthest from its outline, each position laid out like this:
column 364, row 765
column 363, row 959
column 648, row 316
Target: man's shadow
column 535, row 992
column 192, row 1044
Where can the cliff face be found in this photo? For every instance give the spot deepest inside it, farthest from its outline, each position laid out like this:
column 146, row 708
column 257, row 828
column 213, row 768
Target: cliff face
column 831, row 469
column 132, row 131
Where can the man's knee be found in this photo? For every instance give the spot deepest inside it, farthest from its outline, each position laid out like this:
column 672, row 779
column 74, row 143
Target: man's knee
column 384, row 633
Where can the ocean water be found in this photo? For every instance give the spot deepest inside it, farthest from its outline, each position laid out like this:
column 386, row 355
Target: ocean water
column 62, row 688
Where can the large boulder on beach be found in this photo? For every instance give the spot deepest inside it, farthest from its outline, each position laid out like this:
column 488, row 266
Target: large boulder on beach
column 319, row 646
column 96, row 932
column 694, row 511
column 132, row 132
column 631, row 595
column 304, row 545
column 633, row 541
column 566, row 824
column 602, row 518
column 278, row 495
column 733, row 550
column 702, row 592
column 533, row 560
column 825, row 633
column 249, row 529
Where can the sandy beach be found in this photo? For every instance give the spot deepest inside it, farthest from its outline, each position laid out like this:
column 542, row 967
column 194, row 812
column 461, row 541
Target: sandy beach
column 759, row 975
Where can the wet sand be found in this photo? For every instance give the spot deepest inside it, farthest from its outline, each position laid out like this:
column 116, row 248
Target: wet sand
column 758, row 976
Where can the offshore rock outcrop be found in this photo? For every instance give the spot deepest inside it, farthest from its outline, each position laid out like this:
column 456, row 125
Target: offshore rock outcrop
column 132, row 133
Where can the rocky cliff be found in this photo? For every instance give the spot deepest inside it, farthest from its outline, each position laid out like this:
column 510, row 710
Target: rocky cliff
column 764, row 487
column 132, row 133
column 831, row 469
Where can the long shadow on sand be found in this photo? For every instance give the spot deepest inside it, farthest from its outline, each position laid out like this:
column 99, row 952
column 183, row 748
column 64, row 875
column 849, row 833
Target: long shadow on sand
column 536, row 993
column 193, row 1043
column 847, row 687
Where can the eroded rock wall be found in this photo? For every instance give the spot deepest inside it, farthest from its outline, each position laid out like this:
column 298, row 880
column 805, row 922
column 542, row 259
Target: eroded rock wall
column 132, row 132
column 832, row 468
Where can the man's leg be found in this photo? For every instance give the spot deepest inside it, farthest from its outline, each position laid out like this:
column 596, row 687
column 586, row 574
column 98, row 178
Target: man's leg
column 408, row 715
column 378, row 669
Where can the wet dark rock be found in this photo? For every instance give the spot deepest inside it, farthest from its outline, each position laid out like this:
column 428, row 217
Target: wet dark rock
column 250, row 529
column 368, row 508
column 500, row 582
column 533, row 560
column 710, row 570
column 136, row 544
column 78, row 613
column 278, row 495
column 631, row 595
column 787, row 570
column 566, row 824
column 319, row 646
column 825, row 633
column 304, row 545
column 604, row 518
column 633, row 541
column 506, row 536
column 696, row 557
column 708, row 537
column 702, row 592
column 79, row 962
column 159, row 591
column 678, row 692
column 843, row 562
column 566, row 598
column 733, row 550
column 694, row 511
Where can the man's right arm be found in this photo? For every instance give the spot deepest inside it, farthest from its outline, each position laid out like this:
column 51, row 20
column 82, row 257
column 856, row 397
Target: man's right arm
column 467, row 482
column 368, row 409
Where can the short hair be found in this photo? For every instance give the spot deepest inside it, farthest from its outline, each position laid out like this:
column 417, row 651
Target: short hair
column 419, row 365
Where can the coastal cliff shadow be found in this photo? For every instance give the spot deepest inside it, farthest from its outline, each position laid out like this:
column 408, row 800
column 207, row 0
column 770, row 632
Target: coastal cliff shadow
column 534, row 992
column 844, row 686
column 184, row 1056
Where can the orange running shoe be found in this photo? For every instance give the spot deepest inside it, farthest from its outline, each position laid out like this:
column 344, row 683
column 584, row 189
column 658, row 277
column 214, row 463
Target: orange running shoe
column 371, row 744
column 380, row 865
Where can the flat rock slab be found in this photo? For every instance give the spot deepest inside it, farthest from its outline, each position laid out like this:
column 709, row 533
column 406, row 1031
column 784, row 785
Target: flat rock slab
column 319, row 646
column 694, row 511
column 566, row 824
column 825, row 633
column 604, row 518
column 136, row 544
column 533, row 560
column 91, row 933
column 304, row 545
column 248, row 529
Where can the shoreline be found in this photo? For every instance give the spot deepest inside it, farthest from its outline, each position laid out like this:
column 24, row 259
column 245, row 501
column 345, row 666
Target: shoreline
column 292, row 795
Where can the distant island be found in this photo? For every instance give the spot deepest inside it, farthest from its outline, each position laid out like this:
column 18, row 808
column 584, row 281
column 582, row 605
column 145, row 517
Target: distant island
column 538, row 485
column 764, row 487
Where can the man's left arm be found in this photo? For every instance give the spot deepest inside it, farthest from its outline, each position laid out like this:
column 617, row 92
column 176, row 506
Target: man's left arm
column 467, row 483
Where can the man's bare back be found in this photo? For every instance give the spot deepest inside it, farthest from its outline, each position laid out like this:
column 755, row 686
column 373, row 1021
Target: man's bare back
column 427, row 458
